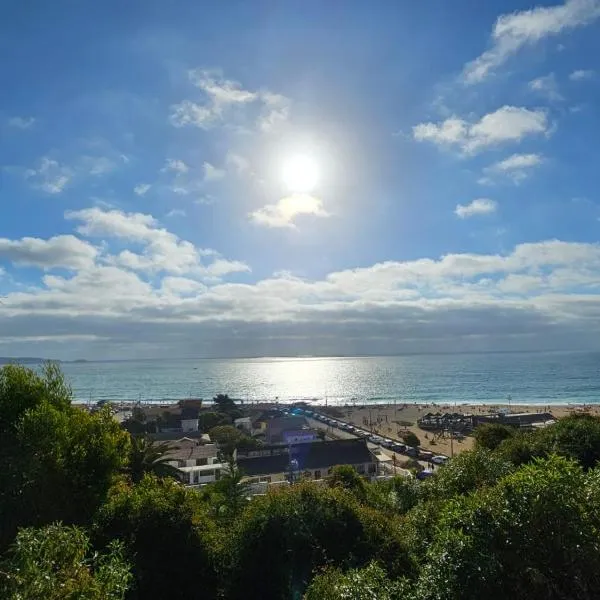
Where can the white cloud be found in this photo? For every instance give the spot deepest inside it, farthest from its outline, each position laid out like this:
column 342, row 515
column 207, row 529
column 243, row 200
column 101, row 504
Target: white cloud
column 225, row 100
column 283, row 213
column 162, row 250
column 547, row 87
column 516, row 166
column 582, row 75
column 212, row 173
column 176, row 212
column 514, row 31
column 480, row 206
column 60, row 251
column 21, row 122
column 96, row 165
column 141, row 189
column 50, row 176
column 505, row 125
column 538, row 295
column 175, row 165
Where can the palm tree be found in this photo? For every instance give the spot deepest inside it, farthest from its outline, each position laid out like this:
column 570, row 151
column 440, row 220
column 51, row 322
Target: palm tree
column 147, row 457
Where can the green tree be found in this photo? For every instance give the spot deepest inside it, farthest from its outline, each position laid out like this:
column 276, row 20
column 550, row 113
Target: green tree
column 210, row 419
column 529, row 536
column 169, row 538
column 466, row 472
column 346, row 477
column 519, row 449
column 396, row 495
column 230, row 494
column 304, row 527
column 224, row 404
column 491, row 435
column 356, row 584
column 576, row 436
column 411, row 439
column 56, row 563
column 58, row 460
column 146, row 456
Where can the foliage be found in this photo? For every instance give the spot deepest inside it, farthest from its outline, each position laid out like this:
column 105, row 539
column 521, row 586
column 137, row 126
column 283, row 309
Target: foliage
column 576, row 436
column 297, row 529
column 56, row 563
column 530, row 536
column 397, row 495
column 229, row 495
column 168, row 536
column 145, row 456
column 491, row 435
column 466, row 472
column 208, row 420
column 224, row 404
column 411, row 439
column 228, row 438
column 58, row 460
column 346, row 477
column 356, row 584
column 519, row 449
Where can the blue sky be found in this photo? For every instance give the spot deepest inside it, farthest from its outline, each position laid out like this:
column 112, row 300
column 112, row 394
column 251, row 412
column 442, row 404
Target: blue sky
column 146, row 210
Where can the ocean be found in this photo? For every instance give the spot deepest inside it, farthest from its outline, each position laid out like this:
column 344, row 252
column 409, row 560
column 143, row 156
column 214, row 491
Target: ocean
column 487, row 378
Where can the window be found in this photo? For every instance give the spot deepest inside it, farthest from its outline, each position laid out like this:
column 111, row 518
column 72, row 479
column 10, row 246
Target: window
column 361, row 469
column 201, row 461
column 317, row 474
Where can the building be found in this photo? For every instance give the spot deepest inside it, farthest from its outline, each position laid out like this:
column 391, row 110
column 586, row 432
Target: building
column 198, row 463
column 516, row 419
column 244, row 424
column 276, row 463
column 289, row 429
column 189, row 419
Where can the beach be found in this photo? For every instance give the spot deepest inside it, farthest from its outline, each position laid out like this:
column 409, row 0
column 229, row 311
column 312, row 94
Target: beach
column 392, row 421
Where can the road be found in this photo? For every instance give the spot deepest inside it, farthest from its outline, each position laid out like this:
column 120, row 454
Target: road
column 340, row 434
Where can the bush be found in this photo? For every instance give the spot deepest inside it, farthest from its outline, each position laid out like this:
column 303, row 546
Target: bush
column 168, row 537
column 56, row 562
column 491, row 435
column 410, row 439
column 303, row 527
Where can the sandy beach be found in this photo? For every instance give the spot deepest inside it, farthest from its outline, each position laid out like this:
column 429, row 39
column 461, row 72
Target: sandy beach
column 392, row 421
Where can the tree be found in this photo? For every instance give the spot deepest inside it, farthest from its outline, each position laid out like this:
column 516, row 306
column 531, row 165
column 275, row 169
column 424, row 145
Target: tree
column 576, row 436
column 529, row 536
column 146, row 456
column 491, row 435
column 466, row 472
column 356, row 584
column 56, row 563
column 230, row 494
column 58, row 460
column 210, row 419
column 301, row 528
column 224, row 404
column 346, row 477
column 411, row 439
column 169, row 538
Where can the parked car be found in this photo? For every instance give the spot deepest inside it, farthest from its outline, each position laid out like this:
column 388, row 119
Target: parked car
column 425, row 455
column 410, row 451
column 439, row 460
column 399, row 447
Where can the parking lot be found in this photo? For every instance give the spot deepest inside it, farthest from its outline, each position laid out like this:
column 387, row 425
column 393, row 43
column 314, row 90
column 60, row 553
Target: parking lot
column 341, row 429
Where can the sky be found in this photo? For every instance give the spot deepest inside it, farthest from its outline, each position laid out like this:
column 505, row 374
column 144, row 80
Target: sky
column 264, row 178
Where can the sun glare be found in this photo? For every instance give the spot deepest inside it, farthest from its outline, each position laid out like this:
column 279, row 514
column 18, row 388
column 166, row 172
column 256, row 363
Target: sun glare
column 300, row 174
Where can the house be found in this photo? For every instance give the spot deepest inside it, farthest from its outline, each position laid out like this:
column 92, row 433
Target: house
column 314, row 460
column 198, row 463
column 289, row 429
column 244, row 423
column 189, row 419
column 175, row 436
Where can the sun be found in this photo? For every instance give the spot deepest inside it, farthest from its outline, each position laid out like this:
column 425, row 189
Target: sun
column 300, row 174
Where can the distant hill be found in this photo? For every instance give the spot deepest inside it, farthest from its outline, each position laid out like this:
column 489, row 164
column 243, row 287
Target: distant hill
column 35, row 360
column 24, row 360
